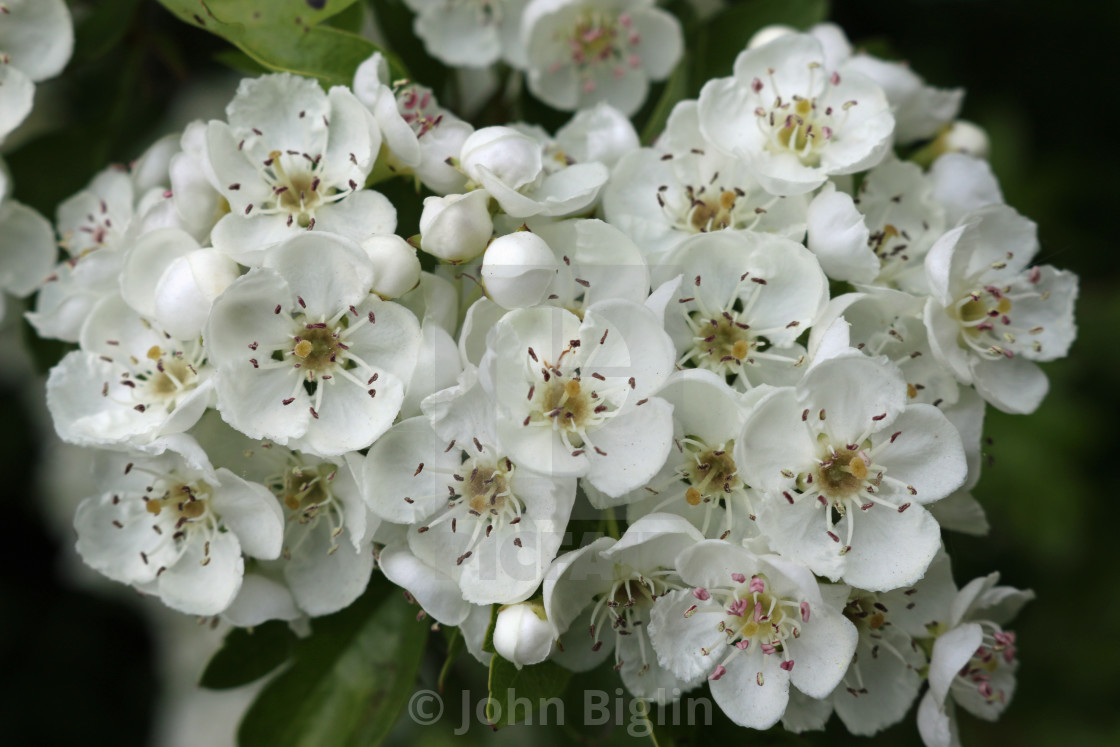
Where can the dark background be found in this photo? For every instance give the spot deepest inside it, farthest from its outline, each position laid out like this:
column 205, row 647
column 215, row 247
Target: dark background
column 77, row 664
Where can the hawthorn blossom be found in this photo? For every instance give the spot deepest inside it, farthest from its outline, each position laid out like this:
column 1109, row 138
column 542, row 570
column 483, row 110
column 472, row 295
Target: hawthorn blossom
column 700, row 480
column 744, row 300
column 610, row 587
column 470, row 33
column 129, row 384
column 794, row 122
column 580, row 54
column 419, row 134
column 973, row 661
column 294, row 158
column 306, row 356
column 753, row 625
column 684, row 185
column 173, row 526
column 576, row 398
column 991, row 315
column 845, row 466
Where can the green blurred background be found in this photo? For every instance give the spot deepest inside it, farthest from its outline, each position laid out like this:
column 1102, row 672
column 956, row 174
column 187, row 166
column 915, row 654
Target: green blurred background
column 78, row 665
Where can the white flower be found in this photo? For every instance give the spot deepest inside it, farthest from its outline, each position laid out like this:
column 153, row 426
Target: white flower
column 576, row 398
column 885, row 675
column 792, row 121
column 396, row 268
column 456, row 228
column 920, row 111
column 523, row 635
column 470, row 33
column 973, row 662
column 684, row 185
column 700, row 480
column 610, row 587
column 845, row 466
column 579, row 54
column 129, row 384
column 306, row 355
column 36, row 40
column 881, row 236
column 754, row 625
column 990, row 316
column 744, row 300
column 294, row 158
column 474, row 514
column 515, row 168
column 419, row 134
column 175, row 527
column 326, row 558
column 94, row 226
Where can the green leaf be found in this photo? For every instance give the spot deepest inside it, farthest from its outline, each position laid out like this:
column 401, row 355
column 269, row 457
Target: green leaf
column 521, row 692
column 103, row 28
column 247, row 654
column 455, row 646
column 734, row 27
column 348, row 681
column 282, row 35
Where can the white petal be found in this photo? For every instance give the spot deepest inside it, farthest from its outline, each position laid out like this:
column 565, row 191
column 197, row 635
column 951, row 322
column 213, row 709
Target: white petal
column 252, row 513
column 197, row 589
column 437, row 594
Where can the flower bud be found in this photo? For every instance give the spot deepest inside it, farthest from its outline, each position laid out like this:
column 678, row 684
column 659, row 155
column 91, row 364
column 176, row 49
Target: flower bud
column 965, row 137
column 514, row 158
column 522, row 635
column 456, row 228
column 518, row 269
column 396, row 268
column 767, row 34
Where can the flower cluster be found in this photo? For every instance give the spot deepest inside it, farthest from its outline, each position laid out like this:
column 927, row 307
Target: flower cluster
column 763, row 346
